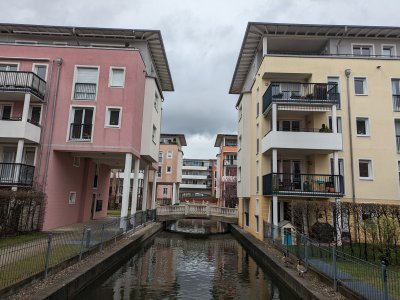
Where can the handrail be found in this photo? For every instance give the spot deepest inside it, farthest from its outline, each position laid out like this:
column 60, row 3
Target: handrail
column 23, row 81
column 16, row 174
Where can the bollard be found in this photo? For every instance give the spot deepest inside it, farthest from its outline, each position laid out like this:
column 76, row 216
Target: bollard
column 384, row 281
column 82, row 241
column 101, row 237
column 48, row 254
column 88, row 236
column 335, row 286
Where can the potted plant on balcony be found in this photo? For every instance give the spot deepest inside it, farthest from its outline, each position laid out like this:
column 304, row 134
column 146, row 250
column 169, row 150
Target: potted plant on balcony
column 325, row 129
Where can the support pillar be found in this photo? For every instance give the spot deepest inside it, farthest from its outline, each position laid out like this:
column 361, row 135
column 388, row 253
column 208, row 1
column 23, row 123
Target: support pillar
column 265, row 45
column 154, row 191
column 18, row 161
column 125, row 188
column 145, row 187
column 25, row 110
column 334, row 119
column 173, row 193
column 274, row 117
column 135, row 186
column 275, row 210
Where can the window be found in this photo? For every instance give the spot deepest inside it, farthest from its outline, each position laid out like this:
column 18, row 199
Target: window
column 159, row 172
column 396, row 94
column 388, row 51
column 360, row 85
column 258, row 139
column 397, row 130
column 365, row 168
column 239, row 174
column 362, row 126
column 82, row 123
column 117, row 77
column 287, row 125
column 258, row 177
column 72, row 198
column 34, row 114
column 5, row 112
column 165, row 191
column 40, row 70
column 338, row 124
column 113, row 117
column 398, row 170
column 362, row 50
column 160, row 156
column 153, row 136
column 258, row 109
column 156, row 101
column 169, row 169
column 169, row 155
column 8, row 67
column 333, row 91
column 85, row 86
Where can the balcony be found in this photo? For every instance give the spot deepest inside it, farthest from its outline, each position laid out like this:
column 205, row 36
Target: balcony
column 22, row 82
column 12, row 174
column 192, row 176
column 290, row 93
column 192, row 186
column 303, row 139
column 80, row 132
column 14, row 128
column 306, row 185
column 230, row 162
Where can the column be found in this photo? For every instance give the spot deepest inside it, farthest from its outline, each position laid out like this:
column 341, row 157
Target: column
column 25, row 110
column 275, row 198
column 18, row 161
column 126, row 187
column 334, row 119
column 145, row 187
column 173, row 193
column 154, row 191
column 265, row 45
column 177, row 192
column 274, row 117
column 135, row 186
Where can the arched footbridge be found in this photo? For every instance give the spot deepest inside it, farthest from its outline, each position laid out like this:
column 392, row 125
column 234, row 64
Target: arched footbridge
column 182, row 211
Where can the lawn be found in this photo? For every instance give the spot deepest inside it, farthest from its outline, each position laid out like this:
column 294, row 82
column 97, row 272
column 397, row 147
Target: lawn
column 114, row 213
column 14, row 240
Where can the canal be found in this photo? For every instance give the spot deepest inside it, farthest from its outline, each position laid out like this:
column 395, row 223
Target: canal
column 175, row 265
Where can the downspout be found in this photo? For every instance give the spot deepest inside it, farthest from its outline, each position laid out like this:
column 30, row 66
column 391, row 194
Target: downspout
column 58, row 61
column 347, row 72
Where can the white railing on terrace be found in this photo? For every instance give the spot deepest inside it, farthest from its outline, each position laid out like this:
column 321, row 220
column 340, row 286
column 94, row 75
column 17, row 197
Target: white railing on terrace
column 198, row 210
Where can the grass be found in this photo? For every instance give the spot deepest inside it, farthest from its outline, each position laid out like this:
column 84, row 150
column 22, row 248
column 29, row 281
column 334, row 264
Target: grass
column 14, row 240
column 114, row 213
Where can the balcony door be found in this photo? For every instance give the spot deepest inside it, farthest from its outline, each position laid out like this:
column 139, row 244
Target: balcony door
column 289, row 125
column 82, row 123
column 290, row 174
column 333, row 89
column 6, row 168
column 5, row 112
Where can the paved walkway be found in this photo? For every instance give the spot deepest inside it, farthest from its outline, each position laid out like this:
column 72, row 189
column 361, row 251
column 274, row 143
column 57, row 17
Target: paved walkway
column 80, row 226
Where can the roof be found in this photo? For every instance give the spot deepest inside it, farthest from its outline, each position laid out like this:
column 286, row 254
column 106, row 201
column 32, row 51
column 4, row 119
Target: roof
column 152, row 37
column 179, row 136
column 255, row 31
column 220, row 137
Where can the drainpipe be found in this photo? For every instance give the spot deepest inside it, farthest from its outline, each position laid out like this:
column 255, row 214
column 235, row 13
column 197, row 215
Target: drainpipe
column 58, row 62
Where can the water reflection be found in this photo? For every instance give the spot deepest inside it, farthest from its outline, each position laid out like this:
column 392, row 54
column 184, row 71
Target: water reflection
column 174, row 267
column 197, row 226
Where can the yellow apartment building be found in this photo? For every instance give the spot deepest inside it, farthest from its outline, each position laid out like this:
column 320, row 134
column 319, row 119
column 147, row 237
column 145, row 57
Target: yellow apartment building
column 318, row 118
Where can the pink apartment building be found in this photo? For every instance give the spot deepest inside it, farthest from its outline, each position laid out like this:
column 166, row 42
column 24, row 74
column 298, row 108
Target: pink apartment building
column 169, row 174
column 74, row 103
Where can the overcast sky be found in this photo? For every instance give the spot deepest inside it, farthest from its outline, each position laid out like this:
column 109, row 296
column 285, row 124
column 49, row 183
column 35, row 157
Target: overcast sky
column 202, row 40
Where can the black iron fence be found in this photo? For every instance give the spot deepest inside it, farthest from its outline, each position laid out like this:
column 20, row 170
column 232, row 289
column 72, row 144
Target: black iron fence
column 80, row 131
column 85, row 91
column 16, row 174
column 23, row 82
column 303, row 184
column 301, row 93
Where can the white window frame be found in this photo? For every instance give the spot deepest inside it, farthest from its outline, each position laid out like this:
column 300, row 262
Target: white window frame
column 10, row 63
column 8, row 104
column 367, row 126
column 165, row 191
column 107, row 120
column 166, row 170
column 363, row 45
column 370, row 169
column 339, row 124
column 72, row 198
column 38, row 64
column 75, row 78
column 110, row 77
column 41, row 111
column 162, row 157
column 365, row 89
column 71, row 118
column 170, row 154
column 393, row 46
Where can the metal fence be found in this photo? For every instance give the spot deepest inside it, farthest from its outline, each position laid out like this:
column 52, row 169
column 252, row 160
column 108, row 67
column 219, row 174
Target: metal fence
column 24, row 260
column 368, row 280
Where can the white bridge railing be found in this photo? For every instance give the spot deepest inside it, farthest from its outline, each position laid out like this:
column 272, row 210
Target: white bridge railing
column 197, row 210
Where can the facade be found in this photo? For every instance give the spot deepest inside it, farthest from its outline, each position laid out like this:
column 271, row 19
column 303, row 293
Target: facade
column 75, row 103
column 318, row 118
column 226, row 182
column 196, row 178
column 169, row 174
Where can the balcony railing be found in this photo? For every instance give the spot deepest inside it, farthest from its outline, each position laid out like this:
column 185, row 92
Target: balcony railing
column 301, row 93
column 310, row 185
column 34, row 122
column 398, row 143
column 16, row 81
column 12, row 174
column 396, row 102
column 230, row 162
column 80, row 132
column 85, row 91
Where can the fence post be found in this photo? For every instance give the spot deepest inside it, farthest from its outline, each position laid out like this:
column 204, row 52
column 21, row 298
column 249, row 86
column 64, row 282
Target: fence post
column 102, row 237
column 384, row 281
column 88, row 236
column 306, row 250
column 334, row 256
column 48, row 254
column 82, row 240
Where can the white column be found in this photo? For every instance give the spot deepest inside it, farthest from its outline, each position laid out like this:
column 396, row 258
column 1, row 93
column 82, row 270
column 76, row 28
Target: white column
column 154, row 191
column 145, row 187
column 335, row 163
column 25, row 110
column 334, row 119
column 265, row 45
column 173, row 193
column 18, row 160
column 135, row 186
column 274, row 116
column 275, row 210
column 274, row 161
column 177, row 192
column 126, row 185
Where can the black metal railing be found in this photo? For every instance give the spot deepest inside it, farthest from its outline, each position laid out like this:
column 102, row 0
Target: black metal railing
column 230, row 162
column 301, row 93
column 396, row 102
column 316, row 185
column 85, row 91
column 398, row 143
column 17, row 81
column 16, row 174
column 82, row 132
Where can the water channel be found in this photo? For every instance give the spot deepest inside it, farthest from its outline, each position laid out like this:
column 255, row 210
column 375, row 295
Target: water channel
column 175, row 265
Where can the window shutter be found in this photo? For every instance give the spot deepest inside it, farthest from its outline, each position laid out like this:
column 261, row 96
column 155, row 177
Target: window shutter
column 117, row 77
column 86, row 75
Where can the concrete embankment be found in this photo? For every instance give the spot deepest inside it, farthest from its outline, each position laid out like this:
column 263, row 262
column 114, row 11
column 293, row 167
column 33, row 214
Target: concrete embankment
column 77, row 279
column 264, row 258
